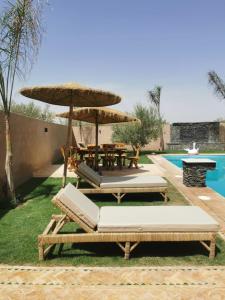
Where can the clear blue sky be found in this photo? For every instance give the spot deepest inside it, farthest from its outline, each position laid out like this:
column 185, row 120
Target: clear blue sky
column 128, row 46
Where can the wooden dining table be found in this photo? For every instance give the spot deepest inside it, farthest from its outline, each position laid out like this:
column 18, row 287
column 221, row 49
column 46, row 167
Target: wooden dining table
column 117, row 150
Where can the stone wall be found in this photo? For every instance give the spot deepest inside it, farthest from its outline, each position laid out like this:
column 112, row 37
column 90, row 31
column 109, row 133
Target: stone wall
column 87, row 136
column 207, row 135
column 35, row 143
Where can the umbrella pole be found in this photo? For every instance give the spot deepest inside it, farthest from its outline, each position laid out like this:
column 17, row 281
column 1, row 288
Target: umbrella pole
column 68, row 144
column 96, row 142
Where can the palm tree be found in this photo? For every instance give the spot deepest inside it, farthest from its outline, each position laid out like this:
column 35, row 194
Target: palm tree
column 20, row 37
column 154, row 97
column 217, row 83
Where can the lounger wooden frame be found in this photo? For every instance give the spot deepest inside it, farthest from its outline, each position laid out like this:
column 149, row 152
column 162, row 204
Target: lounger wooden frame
column 119, row 193
column 127, row 241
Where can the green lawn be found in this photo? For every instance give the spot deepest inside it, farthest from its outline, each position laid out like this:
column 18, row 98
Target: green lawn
column 20, row 227
column 143, row 159
column 181, row 152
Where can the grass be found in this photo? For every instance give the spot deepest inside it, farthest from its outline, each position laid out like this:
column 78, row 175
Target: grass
column 146, row 152
column 20, row 227
column 145, row 160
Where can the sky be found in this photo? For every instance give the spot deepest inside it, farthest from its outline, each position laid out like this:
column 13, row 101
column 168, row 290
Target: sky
column 129, row 46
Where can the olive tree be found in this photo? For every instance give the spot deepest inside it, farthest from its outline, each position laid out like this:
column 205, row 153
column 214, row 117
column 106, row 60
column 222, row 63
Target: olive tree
column 139, row 134
column 33, row 110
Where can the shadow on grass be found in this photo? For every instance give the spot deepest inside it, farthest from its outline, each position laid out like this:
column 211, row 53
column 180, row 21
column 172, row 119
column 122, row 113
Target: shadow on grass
column 171, row 250
column 4, row 211
column 158, row 252
column 22, row 193
column 28, row 187
column 130, row 198
column 34, row 188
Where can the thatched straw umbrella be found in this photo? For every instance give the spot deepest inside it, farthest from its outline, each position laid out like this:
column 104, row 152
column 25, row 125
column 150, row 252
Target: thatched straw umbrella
column 99, row 115
column 72, row 95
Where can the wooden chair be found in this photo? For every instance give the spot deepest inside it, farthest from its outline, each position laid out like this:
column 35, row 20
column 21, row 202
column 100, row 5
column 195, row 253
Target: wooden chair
column 121, row 157
column 109, row 157
column 120, row 145
column 90, row 158
column 72, row 158
column 134, row 159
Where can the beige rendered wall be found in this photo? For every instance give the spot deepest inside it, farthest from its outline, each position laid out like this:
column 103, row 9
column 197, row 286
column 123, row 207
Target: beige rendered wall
column 87, row 135
column 33, row 148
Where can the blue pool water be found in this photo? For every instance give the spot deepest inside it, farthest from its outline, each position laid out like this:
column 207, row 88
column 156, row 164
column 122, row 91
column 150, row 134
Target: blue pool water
column 215, row 179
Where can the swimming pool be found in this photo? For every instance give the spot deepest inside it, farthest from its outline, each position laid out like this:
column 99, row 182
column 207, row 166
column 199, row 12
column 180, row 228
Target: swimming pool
column 215, row 179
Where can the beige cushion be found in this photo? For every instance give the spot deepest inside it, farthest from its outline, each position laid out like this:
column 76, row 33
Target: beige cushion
column 132, row 181
column 155, row 218
column 89, row 173
column 79, row 204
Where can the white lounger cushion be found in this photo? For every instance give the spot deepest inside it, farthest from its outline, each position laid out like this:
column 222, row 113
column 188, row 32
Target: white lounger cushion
column 121, row 181
column 89, row 173
column 79, row 204
column 132, row 181
column 155, row 218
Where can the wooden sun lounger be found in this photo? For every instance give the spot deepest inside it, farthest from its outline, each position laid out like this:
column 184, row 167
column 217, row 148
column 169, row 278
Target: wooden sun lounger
column 118, row 192
column 127, row 241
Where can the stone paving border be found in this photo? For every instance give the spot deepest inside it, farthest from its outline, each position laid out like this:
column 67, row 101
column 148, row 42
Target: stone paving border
column 28, row 282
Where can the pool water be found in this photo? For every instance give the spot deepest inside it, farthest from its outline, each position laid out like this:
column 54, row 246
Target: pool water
column 215, row 179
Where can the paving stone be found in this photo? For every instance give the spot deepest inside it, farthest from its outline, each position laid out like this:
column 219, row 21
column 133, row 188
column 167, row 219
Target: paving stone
column 22, row 282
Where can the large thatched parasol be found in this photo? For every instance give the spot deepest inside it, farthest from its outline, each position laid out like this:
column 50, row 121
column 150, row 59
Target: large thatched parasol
column 98, row 115
column 72, row 95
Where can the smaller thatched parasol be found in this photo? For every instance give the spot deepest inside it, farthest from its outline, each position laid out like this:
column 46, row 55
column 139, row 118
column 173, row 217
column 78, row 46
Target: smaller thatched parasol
column 99, row 115
column 72, row 95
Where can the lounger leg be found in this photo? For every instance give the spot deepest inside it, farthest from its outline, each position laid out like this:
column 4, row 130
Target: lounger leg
column 212, row 250
column 78, row 182
column 119, row 197
column 127, row 250
column 211, row 247
column 60, row 248
column 41, row 252
column 166, row 197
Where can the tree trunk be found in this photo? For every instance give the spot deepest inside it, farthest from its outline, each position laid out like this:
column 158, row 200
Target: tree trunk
column 161, row 139
column 161, row 145
column 8, row 162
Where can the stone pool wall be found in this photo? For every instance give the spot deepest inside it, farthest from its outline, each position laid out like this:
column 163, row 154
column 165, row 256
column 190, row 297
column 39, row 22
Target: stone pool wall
column 207, row 135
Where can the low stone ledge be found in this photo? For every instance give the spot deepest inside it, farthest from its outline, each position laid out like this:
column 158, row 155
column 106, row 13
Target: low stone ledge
column 194, row 171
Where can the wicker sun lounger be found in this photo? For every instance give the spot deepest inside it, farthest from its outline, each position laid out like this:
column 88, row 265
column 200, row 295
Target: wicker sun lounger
column 126, row 226
column 119, row 186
